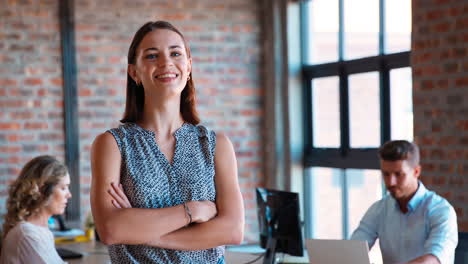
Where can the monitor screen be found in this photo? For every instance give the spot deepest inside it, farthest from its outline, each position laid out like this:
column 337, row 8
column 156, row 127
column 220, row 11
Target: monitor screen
column 278, row 218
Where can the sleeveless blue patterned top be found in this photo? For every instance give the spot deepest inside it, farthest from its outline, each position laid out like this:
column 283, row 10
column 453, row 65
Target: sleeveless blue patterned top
column 150, row 181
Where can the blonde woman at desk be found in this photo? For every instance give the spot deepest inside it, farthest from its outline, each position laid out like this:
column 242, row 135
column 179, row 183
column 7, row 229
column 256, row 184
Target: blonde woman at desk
column 40, row 191
column 180, row 177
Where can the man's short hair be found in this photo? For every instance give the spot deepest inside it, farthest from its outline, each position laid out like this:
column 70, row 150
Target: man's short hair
column 400, row 150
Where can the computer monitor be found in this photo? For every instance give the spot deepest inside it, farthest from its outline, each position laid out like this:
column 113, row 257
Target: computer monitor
column 279, row 223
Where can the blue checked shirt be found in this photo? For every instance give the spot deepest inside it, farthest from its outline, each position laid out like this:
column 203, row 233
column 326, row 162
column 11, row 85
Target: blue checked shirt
column 429, row 227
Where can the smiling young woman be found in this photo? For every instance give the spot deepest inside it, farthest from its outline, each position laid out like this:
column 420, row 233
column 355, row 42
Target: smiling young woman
column 40, row 191
column 164, row 188
column 135, row 91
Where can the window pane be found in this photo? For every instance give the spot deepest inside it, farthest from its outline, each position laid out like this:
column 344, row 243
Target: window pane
column 322, row 25
column 326, row 112
column 364, row 188
column 364, row 110
column 326, row 204
column 401, row 104
column 397, row 26
column 361, row 24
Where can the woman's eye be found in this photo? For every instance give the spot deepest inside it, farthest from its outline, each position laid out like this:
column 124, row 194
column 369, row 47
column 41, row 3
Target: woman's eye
column 151, row 56
column 175, row 54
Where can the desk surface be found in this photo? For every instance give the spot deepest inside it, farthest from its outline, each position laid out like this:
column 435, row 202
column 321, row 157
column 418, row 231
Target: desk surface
column 248, row 253
column 94, row 252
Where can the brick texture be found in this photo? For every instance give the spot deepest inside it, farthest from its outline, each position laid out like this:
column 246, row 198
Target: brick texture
column 224, row 37
column 440, row 92
column 31, row 124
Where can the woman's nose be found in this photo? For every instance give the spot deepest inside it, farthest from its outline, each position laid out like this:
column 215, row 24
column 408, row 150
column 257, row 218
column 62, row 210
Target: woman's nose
column 164, row 60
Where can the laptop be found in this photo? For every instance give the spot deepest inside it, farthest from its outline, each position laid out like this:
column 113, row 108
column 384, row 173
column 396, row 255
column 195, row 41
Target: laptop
column 322, row 251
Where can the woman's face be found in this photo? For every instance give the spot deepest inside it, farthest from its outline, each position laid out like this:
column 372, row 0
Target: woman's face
column 162, row 64
column 58, row 199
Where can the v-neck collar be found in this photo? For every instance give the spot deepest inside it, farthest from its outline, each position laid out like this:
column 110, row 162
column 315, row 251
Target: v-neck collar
column 183, row 128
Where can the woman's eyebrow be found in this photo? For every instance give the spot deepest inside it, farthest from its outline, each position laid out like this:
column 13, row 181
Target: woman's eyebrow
column 156, row 49
column 148, row 49
column 175, row 47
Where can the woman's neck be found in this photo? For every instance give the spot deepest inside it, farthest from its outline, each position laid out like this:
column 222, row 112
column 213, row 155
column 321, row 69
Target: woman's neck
column 163, row 118
column 40, row 218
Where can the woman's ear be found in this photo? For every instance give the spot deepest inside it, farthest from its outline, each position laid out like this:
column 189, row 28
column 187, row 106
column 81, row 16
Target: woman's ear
column 189, row 66
column 131, row 69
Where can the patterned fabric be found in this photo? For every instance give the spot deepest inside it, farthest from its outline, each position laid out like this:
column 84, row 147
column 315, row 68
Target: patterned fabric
column 151, row 181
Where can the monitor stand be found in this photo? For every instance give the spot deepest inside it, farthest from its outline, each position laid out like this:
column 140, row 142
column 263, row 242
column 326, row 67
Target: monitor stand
column 270, row 254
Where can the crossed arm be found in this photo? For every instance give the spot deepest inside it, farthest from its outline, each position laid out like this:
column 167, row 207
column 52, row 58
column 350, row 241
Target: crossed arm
column 216, row 224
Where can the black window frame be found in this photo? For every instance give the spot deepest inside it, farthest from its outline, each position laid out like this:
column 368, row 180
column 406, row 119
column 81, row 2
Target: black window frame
column 345, row 157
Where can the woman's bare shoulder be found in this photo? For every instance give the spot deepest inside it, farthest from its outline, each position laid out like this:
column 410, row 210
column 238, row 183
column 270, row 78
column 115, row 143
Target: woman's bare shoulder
column 104, row 141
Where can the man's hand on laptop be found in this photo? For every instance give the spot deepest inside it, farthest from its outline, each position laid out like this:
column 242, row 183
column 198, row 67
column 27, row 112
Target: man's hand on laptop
column 426, row 259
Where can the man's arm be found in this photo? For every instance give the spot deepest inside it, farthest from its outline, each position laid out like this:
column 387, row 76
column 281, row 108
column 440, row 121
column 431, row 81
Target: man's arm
column 443, row 235
column 368, row 227
column 426, row 259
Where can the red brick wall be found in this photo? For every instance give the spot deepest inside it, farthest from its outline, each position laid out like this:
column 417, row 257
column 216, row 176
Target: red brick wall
column 440, row 79
column 31, row 116
column 225, row 40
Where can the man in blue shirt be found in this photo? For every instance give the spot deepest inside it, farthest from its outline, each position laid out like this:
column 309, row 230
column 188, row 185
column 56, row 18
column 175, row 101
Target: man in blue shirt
column 413, row 224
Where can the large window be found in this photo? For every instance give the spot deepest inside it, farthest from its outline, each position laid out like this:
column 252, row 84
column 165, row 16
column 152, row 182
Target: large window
column 358, row 94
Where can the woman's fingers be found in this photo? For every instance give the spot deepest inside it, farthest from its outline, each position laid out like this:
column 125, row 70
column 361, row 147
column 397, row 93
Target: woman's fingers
column 116, row 204
column 118, row 191
column 124, row 197
column 115, row 198
column 119, row 196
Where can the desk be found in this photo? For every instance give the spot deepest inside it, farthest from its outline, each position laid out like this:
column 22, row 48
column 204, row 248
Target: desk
column 246, row 253
column 241, row 258
column 238, row 258
column 94, row 252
